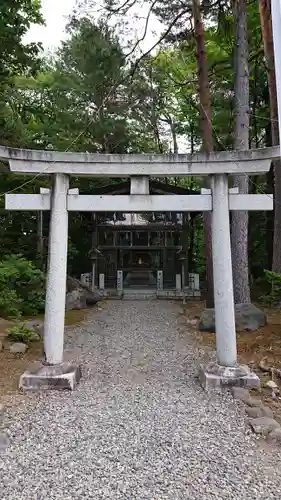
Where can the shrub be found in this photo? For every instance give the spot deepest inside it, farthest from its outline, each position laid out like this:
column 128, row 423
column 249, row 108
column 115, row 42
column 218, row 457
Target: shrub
column 21, row 333
column 273, row 297
column 10, row 304
column 22, row 287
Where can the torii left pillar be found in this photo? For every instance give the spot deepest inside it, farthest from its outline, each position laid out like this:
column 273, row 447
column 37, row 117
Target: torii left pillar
column 55, row 373
column 57, row 270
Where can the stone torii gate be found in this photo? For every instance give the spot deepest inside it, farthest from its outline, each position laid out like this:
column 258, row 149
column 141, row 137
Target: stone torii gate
column 139, row 168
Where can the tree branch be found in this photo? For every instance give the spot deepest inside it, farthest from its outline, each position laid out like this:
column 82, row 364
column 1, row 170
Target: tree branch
column 162, row 37
column 144, row 32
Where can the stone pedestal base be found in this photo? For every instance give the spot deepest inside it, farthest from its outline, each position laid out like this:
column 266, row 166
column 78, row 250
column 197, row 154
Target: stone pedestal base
column 63, row 376
column 216, row 377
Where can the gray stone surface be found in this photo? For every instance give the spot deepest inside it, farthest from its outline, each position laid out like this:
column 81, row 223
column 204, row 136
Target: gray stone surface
column 75, row 300
column 241, row 394
column 247, row 317
column 272, row 385
column 18, row 348
column 275, row 435
column 79, row 296
column 64, row 376
column 1, row 345
column 247, row 398
column 214, row 376
column 259, row 411
column 138, row 426
column 254, row 401
column 89, row 164
column 264, row 425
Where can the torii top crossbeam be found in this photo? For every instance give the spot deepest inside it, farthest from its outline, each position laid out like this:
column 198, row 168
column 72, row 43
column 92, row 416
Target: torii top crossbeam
column 29, row 161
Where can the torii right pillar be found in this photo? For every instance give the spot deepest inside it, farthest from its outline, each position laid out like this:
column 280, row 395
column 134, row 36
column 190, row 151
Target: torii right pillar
column 225, row 371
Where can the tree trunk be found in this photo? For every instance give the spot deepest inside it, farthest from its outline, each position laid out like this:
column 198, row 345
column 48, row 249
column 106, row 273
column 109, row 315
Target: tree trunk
column 269, row 213
column 40, row 240
column 269, row 220
column 168, row 119
column 207, row 136
column 174, row 137
column 266, row 28
column 191, row 245
column 239, row 224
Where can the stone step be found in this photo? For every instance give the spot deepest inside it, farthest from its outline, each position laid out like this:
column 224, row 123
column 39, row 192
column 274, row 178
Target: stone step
column 140, row 296
column 140, row 277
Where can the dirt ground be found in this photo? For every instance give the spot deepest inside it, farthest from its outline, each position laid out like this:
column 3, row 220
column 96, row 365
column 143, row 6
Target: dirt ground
column 12, row 366
column 252, row 347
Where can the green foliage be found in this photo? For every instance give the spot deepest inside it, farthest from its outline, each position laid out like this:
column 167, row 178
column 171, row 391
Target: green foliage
column 21, row 333
column 21, row 287
column 76, row 103
column 273, row 297
column 10, row 303
column 16, row 17
column 15, row 20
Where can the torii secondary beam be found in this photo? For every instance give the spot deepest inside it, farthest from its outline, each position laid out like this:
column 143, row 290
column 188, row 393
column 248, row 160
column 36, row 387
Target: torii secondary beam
column 138, row 203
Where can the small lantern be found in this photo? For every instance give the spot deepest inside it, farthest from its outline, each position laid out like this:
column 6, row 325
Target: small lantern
column 93, row 254
column 182, row 256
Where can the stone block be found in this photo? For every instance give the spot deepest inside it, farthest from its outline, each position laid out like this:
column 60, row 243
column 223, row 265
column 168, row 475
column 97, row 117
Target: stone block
column 139, row 185
column 241, row 394
column 178, row 282
column 159, row 280
column 264, row 425
column 101, row 281
column 248, row 317
column 18, row 348
column 80, row 296
column 63, row 376
column 85, row 279
column 75, row 300
column 194, row 281
column 272, row 385
column 207, row 321
column 275, row 435
column 215, row 376
column 120, row 280
column 259, row 411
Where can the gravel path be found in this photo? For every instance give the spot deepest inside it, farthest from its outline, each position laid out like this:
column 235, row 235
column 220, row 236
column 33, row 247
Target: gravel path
column 138, row 426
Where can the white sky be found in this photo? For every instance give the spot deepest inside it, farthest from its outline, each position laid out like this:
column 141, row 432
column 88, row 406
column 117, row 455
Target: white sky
column 56, row 12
